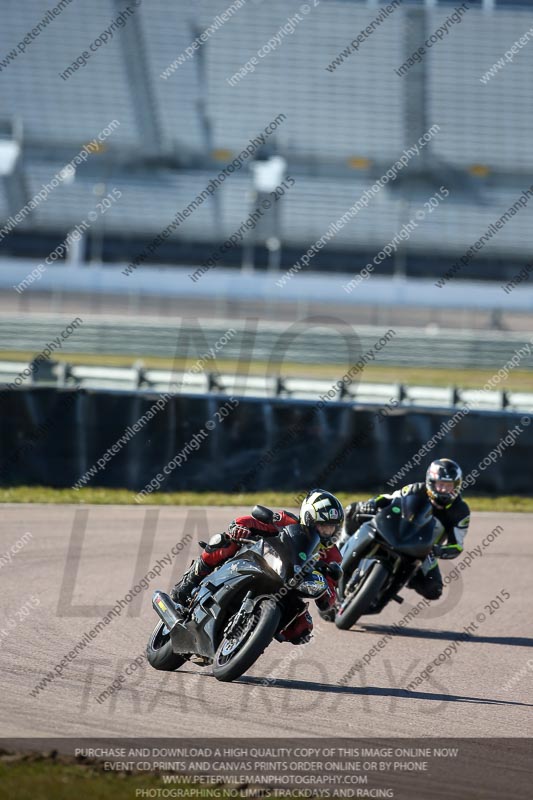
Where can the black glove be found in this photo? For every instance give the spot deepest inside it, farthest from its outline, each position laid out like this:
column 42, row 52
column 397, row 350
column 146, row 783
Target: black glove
column 333, row 570
column 351, row 510
column 367, row 507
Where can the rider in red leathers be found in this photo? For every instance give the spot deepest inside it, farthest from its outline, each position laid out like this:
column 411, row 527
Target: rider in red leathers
column 320, row 510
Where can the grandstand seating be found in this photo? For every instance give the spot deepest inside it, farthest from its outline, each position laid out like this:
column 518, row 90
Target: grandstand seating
column 58, row 112
column 149, row 202
column 356, row 111
column 330, row 116
column 488, row 123
column 169, row 28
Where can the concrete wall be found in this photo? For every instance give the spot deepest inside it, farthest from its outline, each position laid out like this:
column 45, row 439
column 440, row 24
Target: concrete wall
column 50, row 437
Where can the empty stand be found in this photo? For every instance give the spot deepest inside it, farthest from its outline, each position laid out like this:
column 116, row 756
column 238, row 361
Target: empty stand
column 353, row 115
column 66, row 112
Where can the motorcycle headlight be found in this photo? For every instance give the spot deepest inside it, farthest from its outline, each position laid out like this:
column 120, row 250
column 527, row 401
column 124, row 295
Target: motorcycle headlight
column 273, row 561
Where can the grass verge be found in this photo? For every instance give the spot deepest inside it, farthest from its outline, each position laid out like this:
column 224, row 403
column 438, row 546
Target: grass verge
column 42, row 778
column 97, row 496
column 46, row 780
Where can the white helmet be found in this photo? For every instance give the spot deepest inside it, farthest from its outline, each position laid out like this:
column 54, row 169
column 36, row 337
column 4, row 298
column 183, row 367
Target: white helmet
column 322, row 508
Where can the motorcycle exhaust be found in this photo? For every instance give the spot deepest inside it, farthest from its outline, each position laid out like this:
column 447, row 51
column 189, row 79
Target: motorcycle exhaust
column 164, row 607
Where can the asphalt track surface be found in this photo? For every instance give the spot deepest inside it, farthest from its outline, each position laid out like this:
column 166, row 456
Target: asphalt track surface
column 80, row 558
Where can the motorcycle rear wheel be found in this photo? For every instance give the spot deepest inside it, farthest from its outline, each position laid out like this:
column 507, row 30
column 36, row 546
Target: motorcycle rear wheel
column 235, row 656
column 363, row 598
column 159, row 651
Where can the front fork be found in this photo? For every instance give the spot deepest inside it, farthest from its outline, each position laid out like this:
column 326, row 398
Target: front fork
column 239, row 619
column 361, row 545
column 238, row 622
column 361, row 568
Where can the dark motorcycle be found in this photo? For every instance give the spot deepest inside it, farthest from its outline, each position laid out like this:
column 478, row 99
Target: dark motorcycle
column 380, row 558
column 238, row 609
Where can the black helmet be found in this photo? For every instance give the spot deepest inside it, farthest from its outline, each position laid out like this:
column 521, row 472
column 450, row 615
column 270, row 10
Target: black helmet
column 443, row 481
column 322, row 508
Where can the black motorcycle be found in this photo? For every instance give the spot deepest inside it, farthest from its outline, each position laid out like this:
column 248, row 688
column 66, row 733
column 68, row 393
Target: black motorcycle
column 238, row 609
column 382, row 556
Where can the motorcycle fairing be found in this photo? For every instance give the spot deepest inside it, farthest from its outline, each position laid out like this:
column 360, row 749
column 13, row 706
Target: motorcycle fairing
column 407, row 526
column 200, row 632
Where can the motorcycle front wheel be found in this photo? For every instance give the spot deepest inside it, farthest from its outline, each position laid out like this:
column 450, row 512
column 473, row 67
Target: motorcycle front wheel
column 240, row 649
column 360, row 601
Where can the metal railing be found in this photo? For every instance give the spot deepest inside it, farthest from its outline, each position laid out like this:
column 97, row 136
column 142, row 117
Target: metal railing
column 139, row 378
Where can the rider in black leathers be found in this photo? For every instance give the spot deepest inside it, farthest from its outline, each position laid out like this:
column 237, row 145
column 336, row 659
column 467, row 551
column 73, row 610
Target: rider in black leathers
column 443, row 489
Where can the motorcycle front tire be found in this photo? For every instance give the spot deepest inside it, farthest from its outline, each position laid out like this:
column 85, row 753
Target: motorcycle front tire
column 269, row 616
column 370, row 588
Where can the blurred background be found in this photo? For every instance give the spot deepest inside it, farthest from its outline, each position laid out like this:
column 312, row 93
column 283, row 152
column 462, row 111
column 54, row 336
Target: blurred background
column 321, row 209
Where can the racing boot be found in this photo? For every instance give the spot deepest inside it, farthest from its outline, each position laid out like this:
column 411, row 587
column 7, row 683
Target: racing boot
column 182, row 591
column 327, row 607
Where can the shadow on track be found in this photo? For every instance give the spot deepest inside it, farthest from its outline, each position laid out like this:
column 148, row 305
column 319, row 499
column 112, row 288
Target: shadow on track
column 376, row 691
column 451, row 636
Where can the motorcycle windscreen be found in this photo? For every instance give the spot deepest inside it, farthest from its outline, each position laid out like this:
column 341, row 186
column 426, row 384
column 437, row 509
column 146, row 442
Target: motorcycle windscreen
column 253, row 559
column 294, row 547
column 407, row 525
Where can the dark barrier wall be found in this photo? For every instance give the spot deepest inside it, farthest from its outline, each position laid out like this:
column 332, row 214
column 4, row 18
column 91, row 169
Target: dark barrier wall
column 55, row 438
